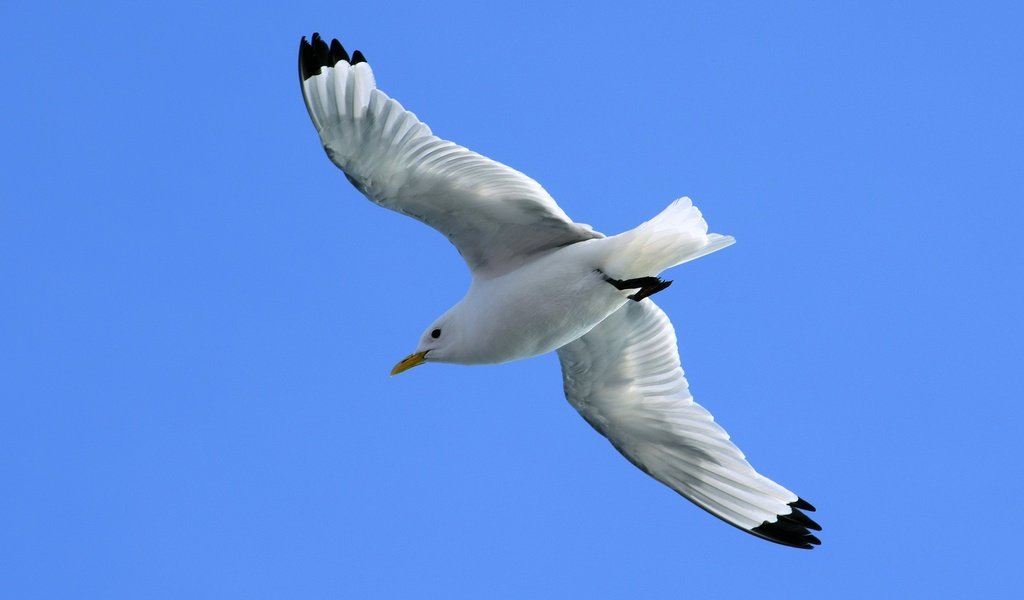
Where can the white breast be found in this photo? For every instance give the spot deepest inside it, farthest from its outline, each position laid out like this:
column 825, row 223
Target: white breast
column 537, row 308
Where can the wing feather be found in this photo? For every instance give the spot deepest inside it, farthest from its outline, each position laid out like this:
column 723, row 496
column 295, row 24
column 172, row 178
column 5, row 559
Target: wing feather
column 625, row 379
column 497, row 217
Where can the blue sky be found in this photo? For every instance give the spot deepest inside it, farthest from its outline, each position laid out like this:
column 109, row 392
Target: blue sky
column 200, row 313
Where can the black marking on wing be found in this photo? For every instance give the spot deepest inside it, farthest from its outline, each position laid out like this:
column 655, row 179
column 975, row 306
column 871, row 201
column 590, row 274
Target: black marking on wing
column 338, row 53
column 791, row 529
column 316, row 54
column 802, row 505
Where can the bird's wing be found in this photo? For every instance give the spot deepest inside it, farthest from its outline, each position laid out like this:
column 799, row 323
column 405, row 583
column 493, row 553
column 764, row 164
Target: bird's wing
column 625, row 379
column 496, row 216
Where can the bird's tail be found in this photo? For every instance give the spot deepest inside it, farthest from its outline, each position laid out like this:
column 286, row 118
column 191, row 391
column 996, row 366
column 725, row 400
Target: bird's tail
column 677, row 235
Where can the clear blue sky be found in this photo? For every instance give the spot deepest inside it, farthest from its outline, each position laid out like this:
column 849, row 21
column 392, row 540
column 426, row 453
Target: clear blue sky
column 199, row 313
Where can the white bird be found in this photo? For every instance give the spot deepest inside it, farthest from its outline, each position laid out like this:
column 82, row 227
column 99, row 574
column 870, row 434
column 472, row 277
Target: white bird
column 541, row 282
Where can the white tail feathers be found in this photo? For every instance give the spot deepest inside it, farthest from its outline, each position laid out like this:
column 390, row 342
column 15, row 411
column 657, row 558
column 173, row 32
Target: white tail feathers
column 677, row 235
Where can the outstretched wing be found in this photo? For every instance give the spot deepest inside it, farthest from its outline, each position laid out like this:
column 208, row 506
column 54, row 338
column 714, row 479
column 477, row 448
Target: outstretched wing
column 625, row 379
column 497, row 217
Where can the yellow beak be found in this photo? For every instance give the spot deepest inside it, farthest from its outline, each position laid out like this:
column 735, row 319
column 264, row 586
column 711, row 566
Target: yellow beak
column 413, row 360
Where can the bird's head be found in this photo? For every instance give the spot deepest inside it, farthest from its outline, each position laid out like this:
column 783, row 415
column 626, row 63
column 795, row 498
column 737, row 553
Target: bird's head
column 437, row 344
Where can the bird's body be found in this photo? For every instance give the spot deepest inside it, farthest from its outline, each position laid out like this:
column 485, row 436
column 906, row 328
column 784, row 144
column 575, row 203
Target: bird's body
column 542, row 282
column 539, row 304
column 562, row 293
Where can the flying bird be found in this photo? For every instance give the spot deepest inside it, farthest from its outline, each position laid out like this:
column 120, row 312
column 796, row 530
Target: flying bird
column 541, row 282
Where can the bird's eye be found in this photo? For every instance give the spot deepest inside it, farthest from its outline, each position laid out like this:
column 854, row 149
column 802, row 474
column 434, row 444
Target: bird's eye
column 435, row 333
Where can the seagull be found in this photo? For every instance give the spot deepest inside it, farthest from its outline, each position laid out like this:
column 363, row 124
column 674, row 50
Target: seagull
column 542, row 283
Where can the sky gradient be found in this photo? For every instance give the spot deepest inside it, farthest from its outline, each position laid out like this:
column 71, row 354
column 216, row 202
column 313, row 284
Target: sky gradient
column 199, row 312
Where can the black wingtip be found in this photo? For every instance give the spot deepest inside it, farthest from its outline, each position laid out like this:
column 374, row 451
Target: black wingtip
column 800, row 519
column 791, row 529
column 316, row 54
column 338, row 52
column 802, row 504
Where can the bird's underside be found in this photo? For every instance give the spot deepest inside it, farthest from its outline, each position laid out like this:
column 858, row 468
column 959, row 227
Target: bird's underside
column 624, row 375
